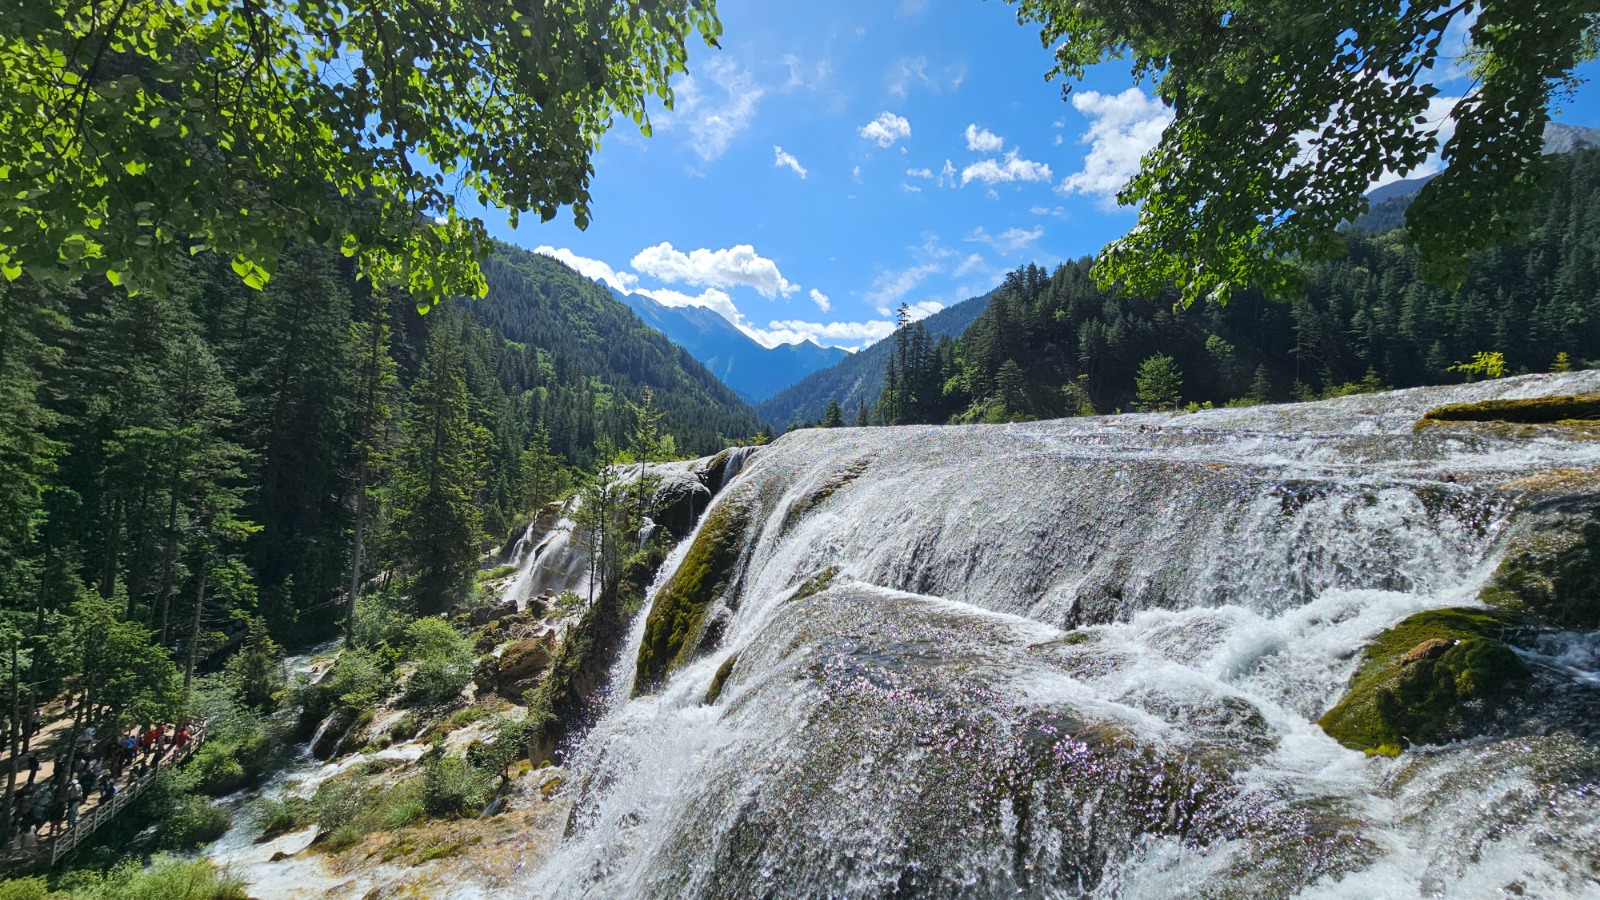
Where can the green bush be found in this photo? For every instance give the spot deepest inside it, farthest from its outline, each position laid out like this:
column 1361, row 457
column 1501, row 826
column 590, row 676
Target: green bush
column 215, row 770
column 359, row 680
column 401, row 806
column 191, row 822
column 452, row 787
column 24, row 889
column 280, row 816
column 404, row 728
column 338, row 801
column 378, row 621
column 167, row 878
column 437, row 681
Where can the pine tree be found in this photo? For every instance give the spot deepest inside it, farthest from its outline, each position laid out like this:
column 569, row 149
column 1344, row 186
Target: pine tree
column 438, row 522
column 863, row 416
column 370, row 433
column 834, row 417
column 1158, row 386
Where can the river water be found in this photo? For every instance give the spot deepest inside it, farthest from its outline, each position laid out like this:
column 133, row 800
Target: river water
column 1086, row 658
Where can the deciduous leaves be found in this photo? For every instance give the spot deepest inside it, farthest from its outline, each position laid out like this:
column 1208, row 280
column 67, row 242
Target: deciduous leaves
column 130, row 127
column 1286, row 113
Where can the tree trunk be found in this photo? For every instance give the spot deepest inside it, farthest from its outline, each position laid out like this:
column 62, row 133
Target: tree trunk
column 168, row 559
column 108, row 573
column 194, row 629
column 356, row 548
column 13, row 744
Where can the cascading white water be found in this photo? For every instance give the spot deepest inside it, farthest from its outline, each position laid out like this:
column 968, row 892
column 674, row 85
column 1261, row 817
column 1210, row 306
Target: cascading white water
column 1086, row 658
column 554, row 562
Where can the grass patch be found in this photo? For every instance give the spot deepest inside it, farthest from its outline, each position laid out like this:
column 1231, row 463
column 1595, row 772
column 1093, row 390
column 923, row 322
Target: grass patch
column 1579, row 409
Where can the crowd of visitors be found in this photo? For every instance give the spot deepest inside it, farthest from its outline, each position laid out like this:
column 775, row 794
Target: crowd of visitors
column 42, row 808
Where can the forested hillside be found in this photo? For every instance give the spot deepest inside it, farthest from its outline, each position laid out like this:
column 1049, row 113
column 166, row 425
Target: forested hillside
column 203, row 458
column 857, row 379
column 1054, row 344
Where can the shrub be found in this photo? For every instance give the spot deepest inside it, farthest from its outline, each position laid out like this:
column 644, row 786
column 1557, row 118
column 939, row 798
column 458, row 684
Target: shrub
column 191, row 822
column 24, row 889
column 167, row 878
column 452, row 787
column 215, row 770
column 338, row 801
column 280, row 816
column 437, row 681
column 404, row 728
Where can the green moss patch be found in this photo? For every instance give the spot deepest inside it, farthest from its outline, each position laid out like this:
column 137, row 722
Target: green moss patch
column 1581, row 408
column 678, row 614
column 720, row 679
column 1554, row 572
column 1428, row 680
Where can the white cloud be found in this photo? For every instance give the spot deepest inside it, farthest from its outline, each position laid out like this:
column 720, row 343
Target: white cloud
column 591, row 268
column 1012, row 240
column 920, row 173
column 791, row 331
column 973, row 263
column 1059, row 140
column 1122, row 129
column 1057, row 211
column 713, row 123
column 982, row 140
column 889, row 287
column 910, row 188
column 804, row 76
column 947, row 175
column 906, row 70
column 821, row 299
column 913, row 7
column 787, row 160
column 923, row 309
column 739, row 265
column 885, row 129
column 855, row 173
column 1012, row 168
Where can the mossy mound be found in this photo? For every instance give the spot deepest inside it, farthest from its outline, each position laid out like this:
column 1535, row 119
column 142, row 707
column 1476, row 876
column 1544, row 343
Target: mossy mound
column 1536, row 411
column 1430, row 679
column 1553, row 570
column 679, row 612
column 719, row 680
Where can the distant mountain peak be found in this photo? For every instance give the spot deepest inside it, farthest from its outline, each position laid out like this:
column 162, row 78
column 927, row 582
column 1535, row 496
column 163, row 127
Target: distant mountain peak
column 755, row 372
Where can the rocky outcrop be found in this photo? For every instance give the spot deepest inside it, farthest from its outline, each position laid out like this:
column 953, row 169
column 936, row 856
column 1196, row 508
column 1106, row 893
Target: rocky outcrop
column 1437, row 676
column 678, row 615
column 1552, row 569
column 518, row 667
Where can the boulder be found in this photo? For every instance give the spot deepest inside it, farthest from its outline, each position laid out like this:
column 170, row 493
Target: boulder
column 483, row 615
column 1552, row 568
column 1437, row 676
column 526, row 658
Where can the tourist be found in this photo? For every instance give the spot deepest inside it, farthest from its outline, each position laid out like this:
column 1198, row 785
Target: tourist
column 74, row 797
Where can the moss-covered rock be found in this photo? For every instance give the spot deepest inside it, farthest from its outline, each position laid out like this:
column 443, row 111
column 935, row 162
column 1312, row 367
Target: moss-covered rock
column 1552, row 569
column 1432, row 678
column 679, row 613
column 721, row 678
column 1534, row 411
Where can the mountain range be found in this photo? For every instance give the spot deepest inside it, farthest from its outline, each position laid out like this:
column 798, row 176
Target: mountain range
column 753, row 371
column 858, row 379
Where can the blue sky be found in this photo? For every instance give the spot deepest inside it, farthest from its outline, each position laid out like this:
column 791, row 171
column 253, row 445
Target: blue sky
column 835, row 160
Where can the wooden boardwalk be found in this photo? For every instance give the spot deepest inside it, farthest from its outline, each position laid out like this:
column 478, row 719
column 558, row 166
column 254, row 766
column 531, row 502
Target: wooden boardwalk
column 53, row 849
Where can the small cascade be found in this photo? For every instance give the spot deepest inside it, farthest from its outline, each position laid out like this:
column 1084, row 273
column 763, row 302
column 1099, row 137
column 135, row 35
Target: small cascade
column 1087, row 658
column 551, row 562
column 523, row 543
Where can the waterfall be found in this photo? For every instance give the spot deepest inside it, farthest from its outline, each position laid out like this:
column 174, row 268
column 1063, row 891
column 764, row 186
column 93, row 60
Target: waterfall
column 1086, row 658
column 554, row 562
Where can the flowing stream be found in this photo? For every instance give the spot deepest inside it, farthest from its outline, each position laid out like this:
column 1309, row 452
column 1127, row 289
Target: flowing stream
column 1086, row 658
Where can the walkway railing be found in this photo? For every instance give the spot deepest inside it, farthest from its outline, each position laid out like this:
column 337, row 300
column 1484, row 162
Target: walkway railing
column 54, row 848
